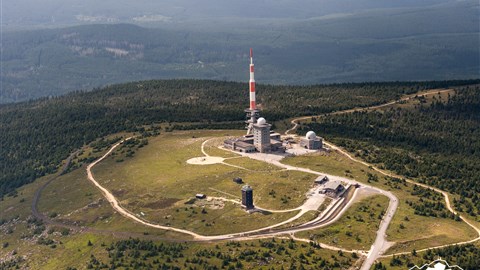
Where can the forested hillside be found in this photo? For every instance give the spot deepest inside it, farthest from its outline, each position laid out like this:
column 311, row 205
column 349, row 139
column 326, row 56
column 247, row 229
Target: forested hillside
column 37, row 135
column 437, row 143
column 437, row 42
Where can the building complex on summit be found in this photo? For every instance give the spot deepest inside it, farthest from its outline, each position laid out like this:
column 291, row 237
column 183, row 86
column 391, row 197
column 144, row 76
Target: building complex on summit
column 260, row 137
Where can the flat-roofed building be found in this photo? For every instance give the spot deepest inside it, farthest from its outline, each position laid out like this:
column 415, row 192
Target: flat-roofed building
column 321, row 179
column 275, row 135
column 238, row 145
column 238, row 180
column 333, row 188
column 277, row 146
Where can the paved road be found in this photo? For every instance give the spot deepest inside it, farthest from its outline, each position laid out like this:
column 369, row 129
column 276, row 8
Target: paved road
column 445, row 195
column 380, row 246
column 325, row 219
column 262, row 232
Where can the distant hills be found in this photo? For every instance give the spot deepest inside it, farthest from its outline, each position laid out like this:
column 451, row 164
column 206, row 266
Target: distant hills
column 55, row 13
column 434, row 41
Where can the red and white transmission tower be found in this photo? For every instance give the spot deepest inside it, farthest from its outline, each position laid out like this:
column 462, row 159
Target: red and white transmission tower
column 252, row 113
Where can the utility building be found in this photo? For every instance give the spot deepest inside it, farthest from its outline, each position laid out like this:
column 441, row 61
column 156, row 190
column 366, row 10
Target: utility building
column 247, row 197
column 333, row 188
column 239, row 145
column 261, row 135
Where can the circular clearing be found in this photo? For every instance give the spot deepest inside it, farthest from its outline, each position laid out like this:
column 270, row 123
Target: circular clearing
column 205, row 160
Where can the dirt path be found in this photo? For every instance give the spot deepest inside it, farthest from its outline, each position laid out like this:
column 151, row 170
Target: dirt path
column 445, row 195
column 116, row 205
column 38, row 192
column 371, row 258
column 266, row 232
column 261, row 232
column 295, row 121
column 256, row 234
column 209, row 160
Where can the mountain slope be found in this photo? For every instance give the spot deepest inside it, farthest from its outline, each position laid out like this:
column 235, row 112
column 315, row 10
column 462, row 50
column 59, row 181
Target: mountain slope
column 37, row 135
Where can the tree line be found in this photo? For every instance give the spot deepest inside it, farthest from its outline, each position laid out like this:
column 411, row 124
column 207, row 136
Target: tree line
column 437, row 144
column 37, row 135
column 267, row 254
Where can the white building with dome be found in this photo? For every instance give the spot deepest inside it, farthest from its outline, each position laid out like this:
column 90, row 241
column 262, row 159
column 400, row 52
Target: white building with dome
column 261, row 135
column 311, row 141
column 262, row 140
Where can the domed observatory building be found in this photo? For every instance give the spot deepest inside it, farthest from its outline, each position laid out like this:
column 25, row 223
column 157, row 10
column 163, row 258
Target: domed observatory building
column 262, row 140
column 311, row 141
column 261, row 135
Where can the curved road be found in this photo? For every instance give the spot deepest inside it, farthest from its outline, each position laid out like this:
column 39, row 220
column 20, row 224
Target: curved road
column 266, row 232
column 381, row 246
column 262, row 232
column 445, row 195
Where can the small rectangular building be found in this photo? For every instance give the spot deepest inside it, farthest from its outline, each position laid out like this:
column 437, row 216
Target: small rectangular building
column 321, row 179
column 229, row 144
column 244, row 147
column 239, row 145
column 275, row 136
column 333, row 188
column 277, row 146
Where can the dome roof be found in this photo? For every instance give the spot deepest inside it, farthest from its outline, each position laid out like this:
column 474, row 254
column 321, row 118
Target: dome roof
column 261, row 121
column 311, row 135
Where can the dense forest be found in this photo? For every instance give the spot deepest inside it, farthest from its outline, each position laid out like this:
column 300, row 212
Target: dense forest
column 348, row 48
column 438, row 143
column 37, row 135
